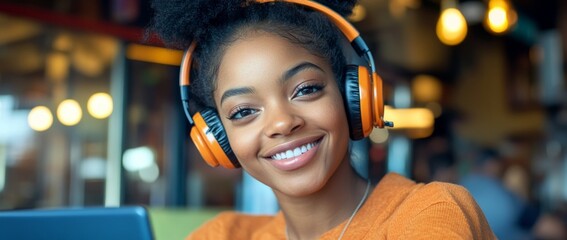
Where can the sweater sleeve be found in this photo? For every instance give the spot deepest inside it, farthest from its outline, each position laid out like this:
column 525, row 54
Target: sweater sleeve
column 455, row 216
column 446, row 220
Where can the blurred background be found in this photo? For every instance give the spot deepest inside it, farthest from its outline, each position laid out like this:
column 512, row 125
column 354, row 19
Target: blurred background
column 90, row 112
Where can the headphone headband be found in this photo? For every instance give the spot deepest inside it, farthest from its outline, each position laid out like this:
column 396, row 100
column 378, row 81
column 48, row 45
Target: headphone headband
column 348, row 30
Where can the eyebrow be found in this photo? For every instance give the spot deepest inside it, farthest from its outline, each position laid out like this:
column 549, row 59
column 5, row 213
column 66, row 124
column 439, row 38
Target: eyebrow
column 298, row 68
column 236, row 91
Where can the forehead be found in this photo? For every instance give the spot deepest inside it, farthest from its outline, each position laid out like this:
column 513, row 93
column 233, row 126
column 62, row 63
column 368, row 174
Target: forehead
column 260, row 56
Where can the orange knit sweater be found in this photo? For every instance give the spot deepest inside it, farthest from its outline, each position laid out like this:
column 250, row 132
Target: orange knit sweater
column 398, row 208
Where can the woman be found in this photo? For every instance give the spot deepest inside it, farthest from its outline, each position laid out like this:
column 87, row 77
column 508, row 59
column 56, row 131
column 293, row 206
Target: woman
column 272, row 75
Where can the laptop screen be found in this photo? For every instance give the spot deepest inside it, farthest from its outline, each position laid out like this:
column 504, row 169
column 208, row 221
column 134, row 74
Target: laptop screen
column 77, row 223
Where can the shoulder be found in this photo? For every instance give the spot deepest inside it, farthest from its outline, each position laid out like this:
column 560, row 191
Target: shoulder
column 231, row 225
column 420, row 195
column 395, row 183
column 438, row 210
column 437, row 192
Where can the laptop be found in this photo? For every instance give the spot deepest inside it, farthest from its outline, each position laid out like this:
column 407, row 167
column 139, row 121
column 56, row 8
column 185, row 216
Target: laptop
column 118, row 223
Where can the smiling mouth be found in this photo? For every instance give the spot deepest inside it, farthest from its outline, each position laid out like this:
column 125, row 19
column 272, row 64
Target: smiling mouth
column 296, row 151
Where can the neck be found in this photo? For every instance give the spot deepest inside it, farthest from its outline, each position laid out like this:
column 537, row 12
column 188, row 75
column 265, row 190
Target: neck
column 310, row 216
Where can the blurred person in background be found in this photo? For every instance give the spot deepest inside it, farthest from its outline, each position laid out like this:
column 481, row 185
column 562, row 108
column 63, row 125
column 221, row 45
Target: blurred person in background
column 551, row 225
column 503, row 208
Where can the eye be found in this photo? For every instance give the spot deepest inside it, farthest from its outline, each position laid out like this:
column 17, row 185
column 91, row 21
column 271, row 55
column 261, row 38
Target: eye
column 241, row 112
column 308, row 90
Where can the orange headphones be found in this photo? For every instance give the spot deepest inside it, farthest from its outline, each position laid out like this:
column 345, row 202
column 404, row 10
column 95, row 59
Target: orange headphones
column 363, row 97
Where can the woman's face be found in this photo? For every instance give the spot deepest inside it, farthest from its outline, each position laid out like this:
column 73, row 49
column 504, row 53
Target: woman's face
column 283, row 113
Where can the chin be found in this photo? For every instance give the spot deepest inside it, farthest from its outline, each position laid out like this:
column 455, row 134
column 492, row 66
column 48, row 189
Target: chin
column 302, row 186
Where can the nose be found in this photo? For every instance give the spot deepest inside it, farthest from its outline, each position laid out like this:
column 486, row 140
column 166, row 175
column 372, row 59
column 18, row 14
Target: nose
column 282, row 121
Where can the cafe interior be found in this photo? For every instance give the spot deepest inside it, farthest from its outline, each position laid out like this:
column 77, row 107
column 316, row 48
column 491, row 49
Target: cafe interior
column 90, row 110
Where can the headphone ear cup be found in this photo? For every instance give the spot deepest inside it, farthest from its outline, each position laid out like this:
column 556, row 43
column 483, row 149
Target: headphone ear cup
column 358, row 98
column 211, row 140
column 378, row 101
column 199, row 139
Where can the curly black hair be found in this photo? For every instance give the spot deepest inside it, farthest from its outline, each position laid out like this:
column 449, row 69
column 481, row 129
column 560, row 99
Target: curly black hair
column 216, row 24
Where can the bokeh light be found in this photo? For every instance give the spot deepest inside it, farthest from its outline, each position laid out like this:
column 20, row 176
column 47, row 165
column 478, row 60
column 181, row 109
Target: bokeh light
column 149, row 174
column 100, row 105
column 497, row 19
column 379, row 135
column 409, row 117
column 40, row 118
column 136, row 159
column 69, row 112
column 426, row 88
column 358, row 13
column 500, row 16
column 451, row 27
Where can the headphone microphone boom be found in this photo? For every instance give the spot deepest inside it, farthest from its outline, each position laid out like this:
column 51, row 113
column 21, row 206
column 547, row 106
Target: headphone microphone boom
column 364, row 101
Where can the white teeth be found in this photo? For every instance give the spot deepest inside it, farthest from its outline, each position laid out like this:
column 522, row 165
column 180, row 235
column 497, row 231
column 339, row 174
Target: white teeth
column 288, row 154
column 293, row 153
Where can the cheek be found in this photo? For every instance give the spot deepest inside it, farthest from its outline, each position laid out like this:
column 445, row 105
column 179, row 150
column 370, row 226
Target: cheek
column 243, row 141
column 334, row 115
column 337, row 123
